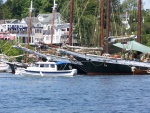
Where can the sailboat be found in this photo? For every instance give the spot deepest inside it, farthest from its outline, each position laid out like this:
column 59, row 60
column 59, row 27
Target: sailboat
column 4, row 67
column 113, row 65
column 100, row 65
column 71, row 63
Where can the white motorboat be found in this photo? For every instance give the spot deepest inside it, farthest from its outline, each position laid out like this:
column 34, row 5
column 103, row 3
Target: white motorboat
column 19, row 70
column 3, row 67
column 47, row 69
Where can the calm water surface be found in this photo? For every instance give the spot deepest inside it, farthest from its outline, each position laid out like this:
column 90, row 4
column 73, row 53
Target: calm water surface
column 80, row 94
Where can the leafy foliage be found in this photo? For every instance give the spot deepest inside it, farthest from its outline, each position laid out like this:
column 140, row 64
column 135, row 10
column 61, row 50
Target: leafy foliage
column 86, row 16
column 6, row 48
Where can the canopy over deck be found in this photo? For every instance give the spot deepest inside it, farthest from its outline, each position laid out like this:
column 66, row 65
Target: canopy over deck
column 133, row 45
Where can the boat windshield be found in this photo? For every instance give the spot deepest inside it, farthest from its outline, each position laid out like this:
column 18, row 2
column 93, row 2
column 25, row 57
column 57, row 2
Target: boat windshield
column 41, row 65
column 52, row 65
column 46, row 65
column 35, row 65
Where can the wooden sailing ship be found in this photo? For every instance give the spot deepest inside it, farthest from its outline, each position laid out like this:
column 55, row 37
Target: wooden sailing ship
column 100, row 65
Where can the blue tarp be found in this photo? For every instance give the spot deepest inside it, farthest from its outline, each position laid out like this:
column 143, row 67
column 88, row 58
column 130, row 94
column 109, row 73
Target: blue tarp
column 61, row 62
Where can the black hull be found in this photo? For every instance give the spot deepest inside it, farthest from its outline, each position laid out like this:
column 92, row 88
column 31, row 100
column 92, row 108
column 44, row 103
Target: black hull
column 80, row 68
column 14, row 66
column 103, row 68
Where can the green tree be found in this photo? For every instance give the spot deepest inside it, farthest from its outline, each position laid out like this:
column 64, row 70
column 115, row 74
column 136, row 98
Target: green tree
column 1, row 7
column 129, row 5
column 86, row 15
column 7, row 8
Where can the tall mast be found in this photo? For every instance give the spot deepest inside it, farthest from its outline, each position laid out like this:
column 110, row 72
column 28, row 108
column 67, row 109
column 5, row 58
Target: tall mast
column 53, row 18
column 29, row 26
column 101, row 4
column 71, row 21
column 139, row 20
column 107, row 24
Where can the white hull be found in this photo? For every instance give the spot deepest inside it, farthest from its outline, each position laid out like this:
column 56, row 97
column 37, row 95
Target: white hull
column 47, row 69
column 3, row 67
column 19, row 70
column 59, row 73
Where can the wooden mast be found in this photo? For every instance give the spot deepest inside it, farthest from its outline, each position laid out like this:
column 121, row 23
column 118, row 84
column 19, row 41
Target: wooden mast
column 53, row 18
column 29, row 29
column 71, row 21
column 107, row 24
column 101, row 4
column 139, row 21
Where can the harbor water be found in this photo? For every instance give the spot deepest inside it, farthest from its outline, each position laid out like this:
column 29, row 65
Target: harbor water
column 78, row 94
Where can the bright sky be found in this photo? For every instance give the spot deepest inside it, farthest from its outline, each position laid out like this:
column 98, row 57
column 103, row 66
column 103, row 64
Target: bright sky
column 145, row 2
column 4, row 0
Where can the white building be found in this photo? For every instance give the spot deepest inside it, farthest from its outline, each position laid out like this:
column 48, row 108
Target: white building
column 40, row 29
column 2, row 29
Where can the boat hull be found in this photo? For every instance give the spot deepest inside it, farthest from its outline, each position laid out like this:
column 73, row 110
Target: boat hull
column 63, row 73
column 104, row 68
column 4, row 67
column 81, row 69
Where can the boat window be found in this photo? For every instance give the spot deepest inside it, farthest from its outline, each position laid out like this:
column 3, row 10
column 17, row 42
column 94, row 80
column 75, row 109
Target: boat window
column 46, row 65
column 52, row 65
column 63, row 29
column 41, row 65
column 35, row 65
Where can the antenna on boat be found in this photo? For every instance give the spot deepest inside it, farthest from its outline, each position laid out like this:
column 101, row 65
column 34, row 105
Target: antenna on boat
column 54, row 6
column 53, row 17
column 71, row 21
column 139, row 21
column 107, row 24
column 101, row 4
column 31, row 6
column 29, row 27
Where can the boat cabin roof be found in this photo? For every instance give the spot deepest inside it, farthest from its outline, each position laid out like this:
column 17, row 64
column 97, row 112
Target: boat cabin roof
column 45, row 63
